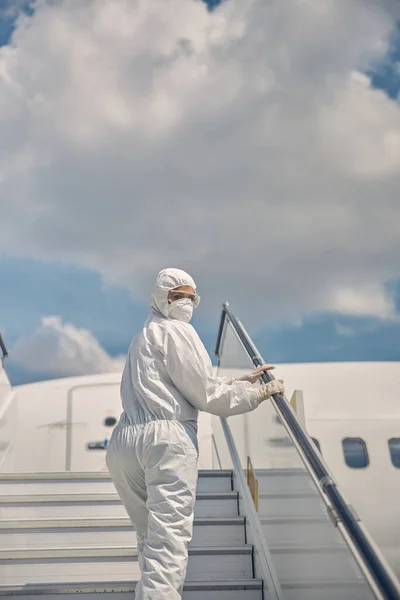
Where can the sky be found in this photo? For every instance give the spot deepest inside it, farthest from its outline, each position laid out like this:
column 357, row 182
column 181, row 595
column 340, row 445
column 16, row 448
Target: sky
column 254, row 144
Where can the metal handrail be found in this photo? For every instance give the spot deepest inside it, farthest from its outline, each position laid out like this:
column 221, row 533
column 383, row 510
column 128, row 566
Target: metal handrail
column 384, row 583
column 3, row 348
column 216, row 451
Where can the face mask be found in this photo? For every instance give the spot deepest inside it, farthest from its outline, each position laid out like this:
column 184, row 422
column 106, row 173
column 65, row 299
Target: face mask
column 181, row 310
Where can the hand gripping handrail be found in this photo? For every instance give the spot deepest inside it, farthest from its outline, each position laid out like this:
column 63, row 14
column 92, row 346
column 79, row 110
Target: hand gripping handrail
column 379, row 575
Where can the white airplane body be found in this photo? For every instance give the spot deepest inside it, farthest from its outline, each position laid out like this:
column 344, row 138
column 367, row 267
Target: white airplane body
column 50, row 426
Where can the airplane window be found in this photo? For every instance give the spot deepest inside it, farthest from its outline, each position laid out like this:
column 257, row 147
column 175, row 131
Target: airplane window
column 355, row 453
column 316, row 442
column 394, row 447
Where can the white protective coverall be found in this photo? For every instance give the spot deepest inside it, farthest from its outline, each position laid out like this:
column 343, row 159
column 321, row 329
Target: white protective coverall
column 152, row 454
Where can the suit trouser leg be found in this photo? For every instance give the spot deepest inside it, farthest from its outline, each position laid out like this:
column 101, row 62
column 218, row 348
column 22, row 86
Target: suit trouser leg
column 156, row 480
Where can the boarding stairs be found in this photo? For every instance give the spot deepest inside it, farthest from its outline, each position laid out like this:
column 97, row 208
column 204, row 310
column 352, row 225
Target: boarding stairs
column 67, row 533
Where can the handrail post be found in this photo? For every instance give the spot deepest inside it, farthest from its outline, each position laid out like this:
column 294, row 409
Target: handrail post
column 3, row 348
column 221, row 329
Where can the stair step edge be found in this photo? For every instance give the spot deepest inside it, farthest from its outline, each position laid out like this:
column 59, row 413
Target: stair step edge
column 110, row 551
column 102, row 522
column 294, row 520
column 117, row 586
column 288, row 494
column 290, row 472
column 111, row 497
column 89, row 475
column 357, row 582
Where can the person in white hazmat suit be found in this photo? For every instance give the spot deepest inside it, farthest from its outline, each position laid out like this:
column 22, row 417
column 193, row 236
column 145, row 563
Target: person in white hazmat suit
column 152, row 454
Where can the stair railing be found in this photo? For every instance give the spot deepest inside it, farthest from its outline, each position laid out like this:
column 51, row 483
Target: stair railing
column 375, row 568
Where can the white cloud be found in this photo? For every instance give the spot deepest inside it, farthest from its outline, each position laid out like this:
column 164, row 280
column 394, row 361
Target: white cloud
column 237, row 144
column 61, row 349
column 364, row 302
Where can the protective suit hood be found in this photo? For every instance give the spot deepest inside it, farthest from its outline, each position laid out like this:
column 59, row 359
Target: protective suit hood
column 167, row 280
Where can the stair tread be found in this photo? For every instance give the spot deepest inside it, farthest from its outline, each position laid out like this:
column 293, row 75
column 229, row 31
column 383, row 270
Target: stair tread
column 129, row 586
column 129, row 550
column 299, row 584
column 307, row 549
column 293, row 520
column 126, row 586
column 108, row 551
column 83, row 522
column 289, row 494
column 79, row 475
column 110, row 497
column 290, row 471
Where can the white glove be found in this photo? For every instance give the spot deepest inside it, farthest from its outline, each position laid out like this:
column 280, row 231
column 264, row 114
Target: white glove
column 269, row 389
column 256, row 374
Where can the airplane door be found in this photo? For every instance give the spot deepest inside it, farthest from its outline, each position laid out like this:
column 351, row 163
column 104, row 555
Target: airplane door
column 92, row 412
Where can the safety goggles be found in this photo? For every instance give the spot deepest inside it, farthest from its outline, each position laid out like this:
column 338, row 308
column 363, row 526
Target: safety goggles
column 178, row 295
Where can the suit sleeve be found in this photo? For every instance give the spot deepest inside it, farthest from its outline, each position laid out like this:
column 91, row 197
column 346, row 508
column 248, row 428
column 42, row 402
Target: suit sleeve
column 190, row 369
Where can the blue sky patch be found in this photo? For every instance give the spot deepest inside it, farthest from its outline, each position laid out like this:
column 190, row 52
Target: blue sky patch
column 386, row 75
column 213, row 3
column 32, row 289
column 6, row 28
column 9, row 11
column 332, row 338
